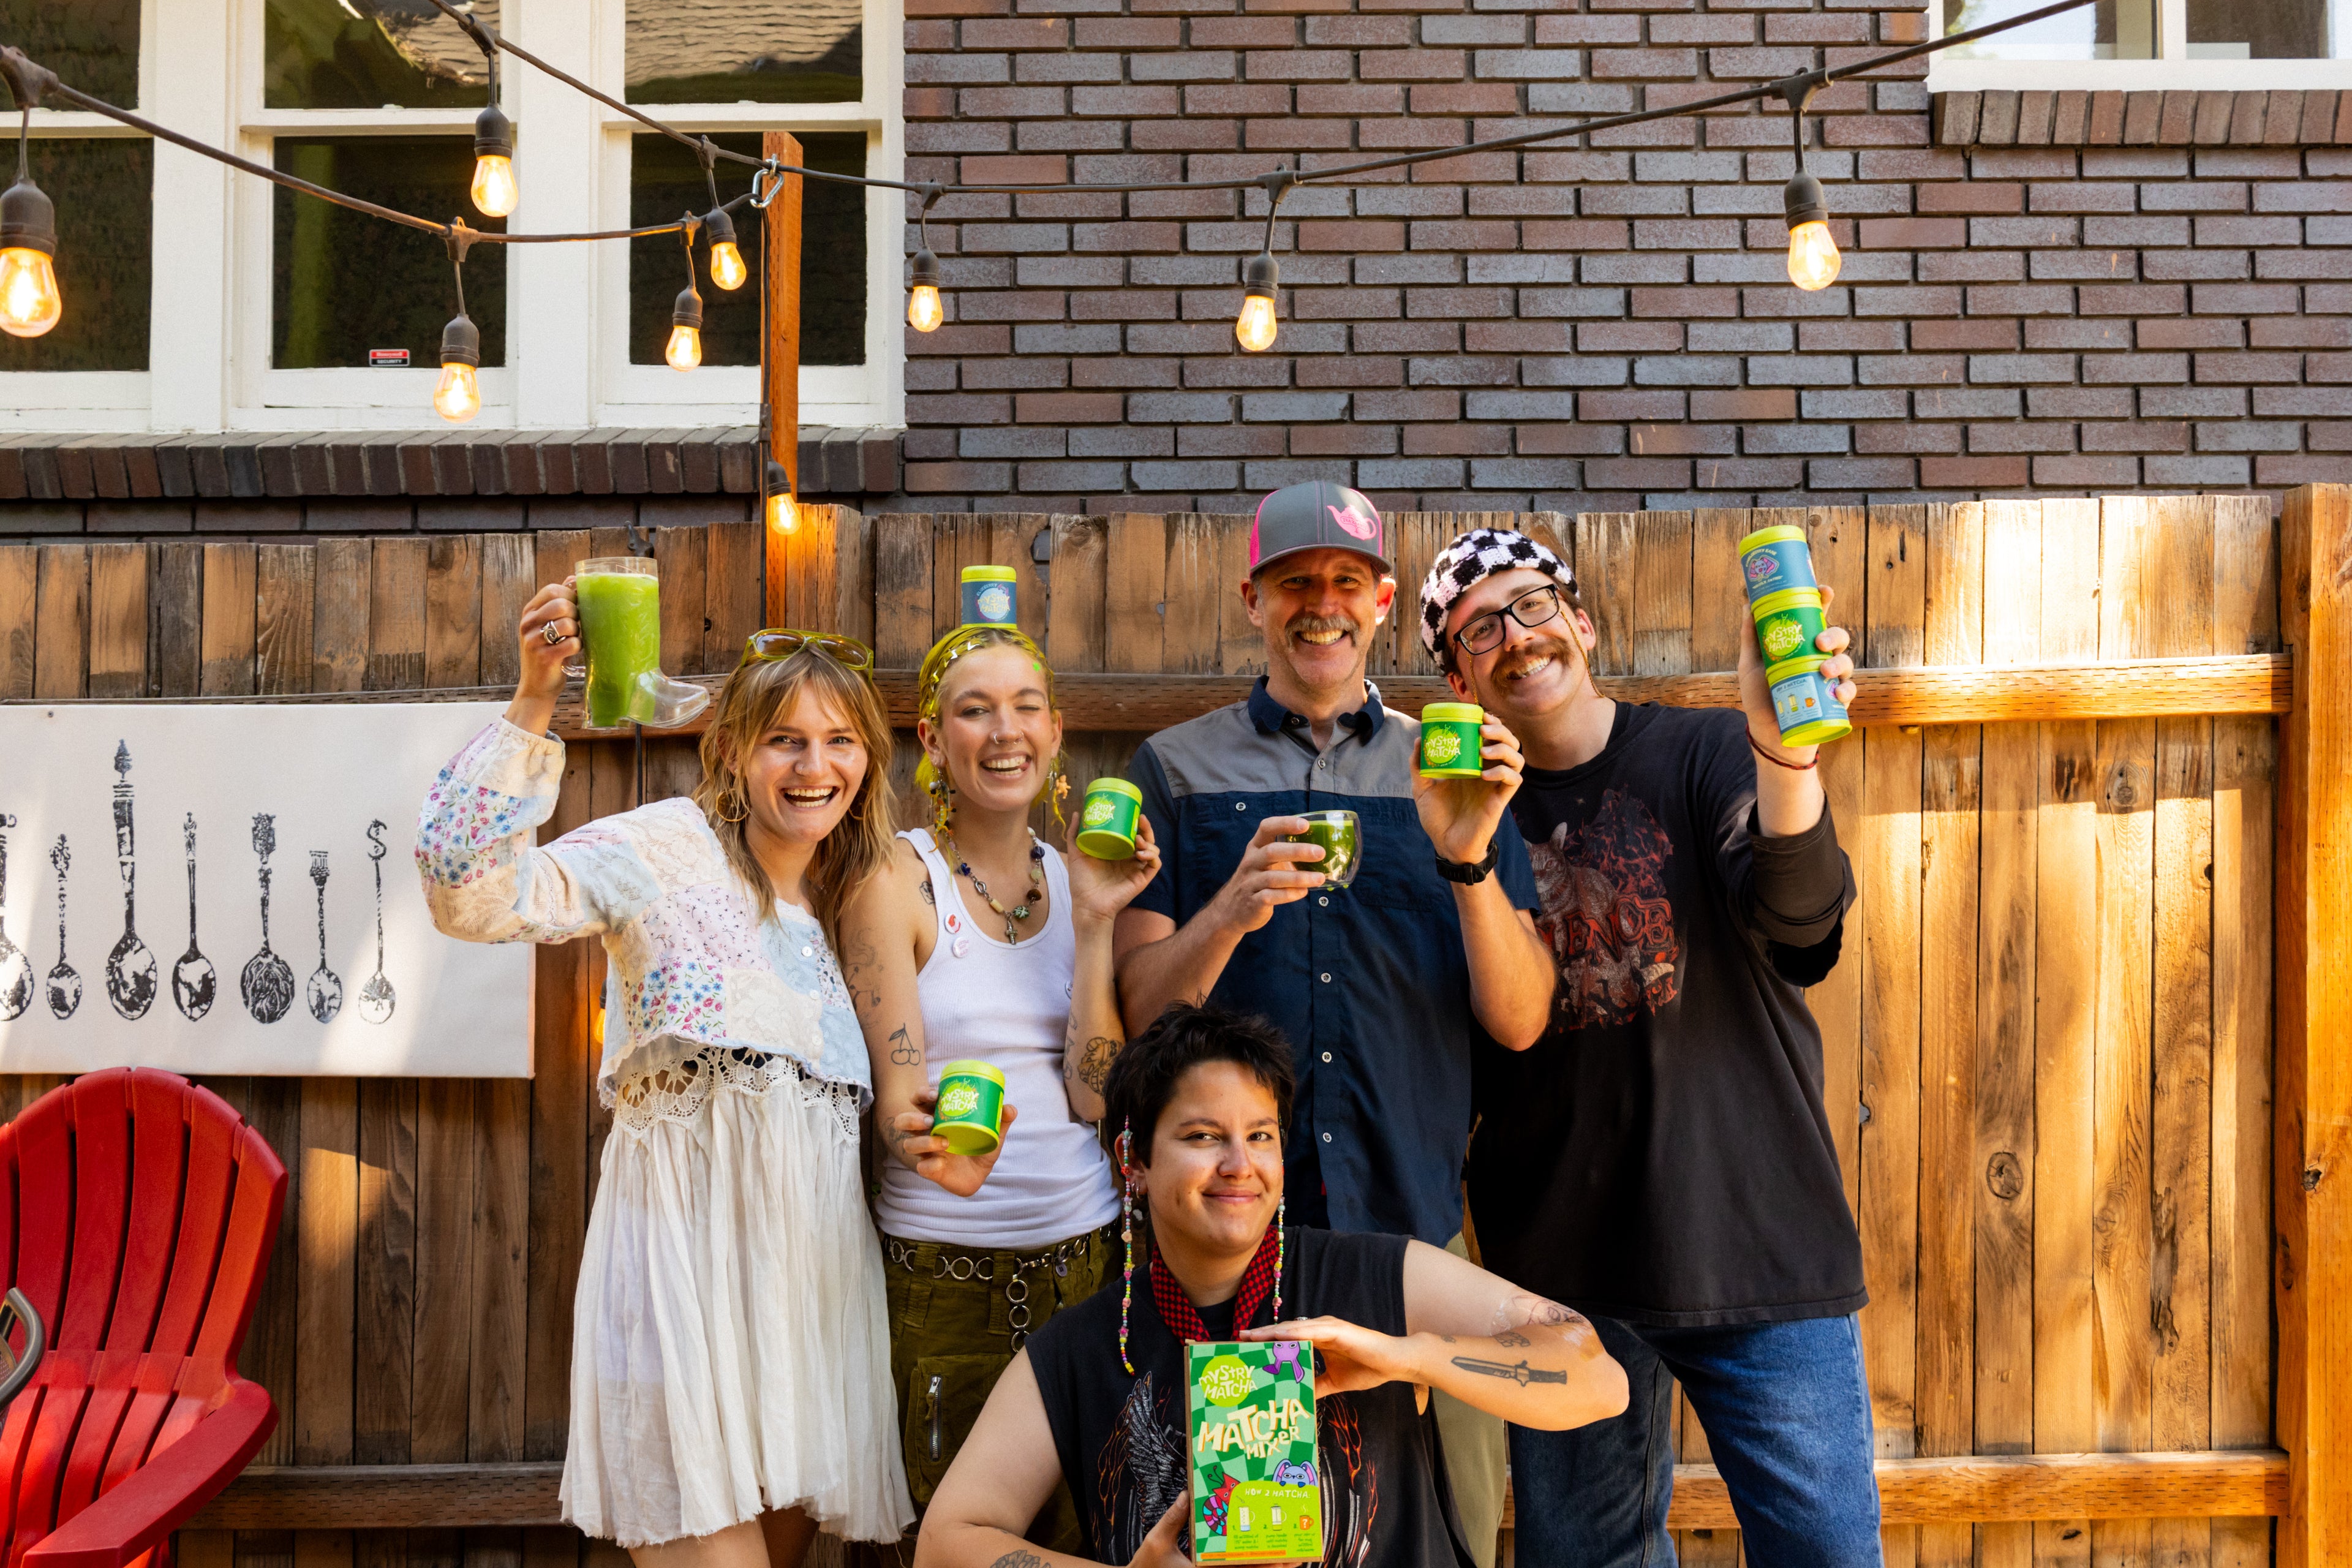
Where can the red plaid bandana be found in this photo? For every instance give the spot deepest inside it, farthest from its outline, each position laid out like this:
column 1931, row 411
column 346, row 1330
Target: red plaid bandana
column 1183, row 1320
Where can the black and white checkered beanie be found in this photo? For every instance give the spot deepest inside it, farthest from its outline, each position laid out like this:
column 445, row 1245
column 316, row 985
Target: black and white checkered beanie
column 1470, row 560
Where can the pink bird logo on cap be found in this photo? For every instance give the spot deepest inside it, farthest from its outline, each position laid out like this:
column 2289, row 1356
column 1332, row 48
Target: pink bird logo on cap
column 1353, row 522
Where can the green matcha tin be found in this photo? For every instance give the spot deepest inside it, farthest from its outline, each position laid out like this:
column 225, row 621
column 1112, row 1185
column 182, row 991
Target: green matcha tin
column 1450, row 745
column 1107, row 821
column 1787, row 623
column 969, row 1116
column 991, row 596
column 1805, row 704
column 1342, row 838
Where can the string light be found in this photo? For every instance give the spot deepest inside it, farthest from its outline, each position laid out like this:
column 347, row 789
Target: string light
column 685, row 350
column 1813, row 258
column 924, row 311
column 726, row 268
column 783, row 511
column 458, row 395
column 30, row 303
column 495, row 192
column 1254, row 327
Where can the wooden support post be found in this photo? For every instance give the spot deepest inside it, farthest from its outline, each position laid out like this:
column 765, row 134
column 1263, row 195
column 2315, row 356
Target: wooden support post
column 2312, row 1197
column 781, row 255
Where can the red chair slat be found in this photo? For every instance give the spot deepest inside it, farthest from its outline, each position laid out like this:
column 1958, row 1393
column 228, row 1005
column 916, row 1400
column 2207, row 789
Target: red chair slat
column 44, row 1205
column 101, row 1135
column 211, row 1173
column 45, row 1457
column 159, row 1163
column 251, row 1231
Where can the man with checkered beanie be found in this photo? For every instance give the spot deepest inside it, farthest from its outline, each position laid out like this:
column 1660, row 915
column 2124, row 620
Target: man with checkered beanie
column 1661, row 1160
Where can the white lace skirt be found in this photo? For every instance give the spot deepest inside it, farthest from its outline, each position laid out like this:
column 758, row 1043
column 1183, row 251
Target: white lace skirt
column 731, row 1350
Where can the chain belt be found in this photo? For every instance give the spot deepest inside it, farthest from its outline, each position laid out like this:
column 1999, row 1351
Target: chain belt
column 961, row 1263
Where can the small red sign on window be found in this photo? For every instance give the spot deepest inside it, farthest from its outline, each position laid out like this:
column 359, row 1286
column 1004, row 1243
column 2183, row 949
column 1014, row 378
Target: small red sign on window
column 387, row 356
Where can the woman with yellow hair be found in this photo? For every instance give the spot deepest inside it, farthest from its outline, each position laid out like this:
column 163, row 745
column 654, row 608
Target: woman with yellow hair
column 729, row 1345
column 981, row 944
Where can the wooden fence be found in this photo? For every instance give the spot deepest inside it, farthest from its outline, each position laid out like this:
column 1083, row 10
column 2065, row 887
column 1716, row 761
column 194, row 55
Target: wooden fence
column 2048, row 1046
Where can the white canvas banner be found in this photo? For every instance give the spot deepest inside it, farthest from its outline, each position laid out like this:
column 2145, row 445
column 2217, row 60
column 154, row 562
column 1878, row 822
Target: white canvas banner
column 232, row 889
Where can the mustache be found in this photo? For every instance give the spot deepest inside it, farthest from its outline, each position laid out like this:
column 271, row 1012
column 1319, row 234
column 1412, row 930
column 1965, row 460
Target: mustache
column 1302, row 624
column 1539, row 645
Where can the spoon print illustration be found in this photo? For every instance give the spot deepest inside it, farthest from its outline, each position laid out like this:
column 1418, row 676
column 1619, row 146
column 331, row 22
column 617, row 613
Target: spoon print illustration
column 193, row 980
column 64, row 986
column 267, row 983
column 325, row 992
column 130, row 967
column 376, row 999
column 15, row 967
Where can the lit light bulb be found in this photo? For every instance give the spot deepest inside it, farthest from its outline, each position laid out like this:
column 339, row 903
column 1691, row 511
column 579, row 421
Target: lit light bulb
column 924, row 311
column 495, row 191
column 29, row 302
column 726, row 268
column 783, row 513
column 1255, row 327
column 1813, row 257
column 685, row 350
column 460, row 396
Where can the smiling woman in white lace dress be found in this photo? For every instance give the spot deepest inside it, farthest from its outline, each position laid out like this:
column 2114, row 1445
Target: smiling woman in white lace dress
column 730, row 1377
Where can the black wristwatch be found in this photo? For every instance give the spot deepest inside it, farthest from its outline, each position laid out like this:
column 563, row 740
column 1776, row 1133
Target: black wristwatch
column 1470, row 872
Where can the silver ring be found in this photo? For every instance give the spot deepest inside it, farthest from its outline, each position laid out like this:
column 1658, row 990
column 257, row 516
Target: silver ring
column 551, row 635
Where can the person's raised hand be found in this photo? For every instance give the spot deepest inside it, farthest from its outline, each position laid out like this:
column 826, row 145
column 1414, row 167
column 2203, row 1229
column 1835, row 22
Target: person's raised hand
column 1756, row 695
column 1273, row 872
column 1462, row 816
column 927, row 1155
column 1354, row 1358
column 1100, row 889
column 543, row 662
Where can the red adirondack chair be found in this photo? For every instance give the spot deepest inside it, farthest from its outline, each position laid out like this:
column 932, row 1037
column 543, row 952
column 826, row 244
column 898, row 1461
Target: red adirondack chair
column 137, row 1213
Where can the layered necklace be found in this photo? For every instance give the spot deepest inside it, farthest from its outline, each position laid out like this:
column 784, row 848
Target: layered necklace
column 1018, row 913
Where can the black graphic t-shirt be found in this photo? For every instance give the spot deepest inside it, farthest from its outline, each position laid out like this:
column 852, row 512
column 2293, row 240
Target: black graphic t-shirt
column 1121, row 1439
column 1661, row 1154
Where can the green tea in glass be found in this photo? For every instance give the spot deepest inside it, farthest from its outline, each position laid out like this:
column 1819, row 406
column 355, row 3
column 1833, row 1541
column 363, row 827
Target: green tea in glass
column 1341, row 837
column 620, row 620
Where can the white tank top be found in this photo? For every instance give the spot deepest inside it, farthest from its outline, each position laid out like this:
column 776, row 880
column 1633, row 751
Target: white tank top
column 1007, row 1004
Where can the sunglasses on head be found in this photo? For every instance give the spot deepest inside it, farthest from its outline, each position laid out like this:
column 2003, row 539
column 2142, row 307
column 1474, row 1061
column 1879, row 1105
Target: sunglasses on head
column 781, row 642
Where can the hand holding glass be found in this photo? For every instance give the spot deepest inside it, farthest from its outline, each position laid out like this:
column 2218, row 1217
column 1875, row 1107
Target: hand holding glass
column 620, row 620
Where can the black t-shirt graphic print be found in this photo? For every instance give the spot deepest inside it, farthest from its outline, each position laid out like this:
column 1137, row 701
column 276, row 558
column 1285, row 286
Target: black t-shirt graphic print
column 1663, row 1154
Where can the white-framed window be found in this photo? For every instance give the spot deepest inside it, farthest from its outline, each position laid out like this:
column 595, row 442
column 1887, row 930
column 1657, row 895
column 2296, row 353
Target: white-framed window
column 2148, row 45
column 264, row 306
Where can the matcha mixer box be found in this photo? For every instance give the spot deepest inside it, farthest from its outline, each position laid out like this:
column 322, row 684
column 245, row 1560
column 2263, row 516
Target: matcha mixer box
column 1257, row 1494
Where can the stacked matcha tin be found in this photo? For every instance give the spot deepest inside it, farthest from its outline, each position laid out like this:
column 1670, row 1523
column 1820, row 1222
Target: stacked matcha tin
column 1785, row 598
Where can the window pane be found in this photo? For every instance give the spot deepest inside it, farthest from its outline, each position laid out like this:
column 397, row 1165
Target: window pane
column 344, row 283
column 105, row 194
column 665, row 180
column 2110, row 30
column 745, row 51
column 90, row 44
column 366, row 54
column 2257, row 29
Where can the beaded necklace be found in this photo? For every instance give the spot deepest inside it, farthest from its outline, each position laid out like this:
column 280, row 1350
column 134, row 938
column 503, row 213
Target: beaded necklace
column 1019, row 912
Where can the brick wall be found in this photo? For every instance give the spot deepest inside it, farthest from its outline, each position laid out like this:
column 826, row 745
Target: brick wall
column 2150, row 292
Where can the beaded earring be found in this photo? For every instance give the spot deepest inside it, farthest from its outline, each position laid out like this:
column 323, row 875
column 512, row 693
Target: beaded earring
column 942, row 805
column 1127, row 1235
column 1281, row 1243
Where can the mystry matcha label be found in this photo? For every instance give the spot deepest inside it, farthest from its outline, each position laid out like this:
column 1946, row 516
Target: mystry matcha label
column 1257, row 1492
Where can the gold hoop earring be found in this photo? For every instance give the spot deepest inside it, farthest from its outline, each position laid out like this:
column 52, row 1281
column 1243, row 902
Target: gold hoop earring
column 742, row 806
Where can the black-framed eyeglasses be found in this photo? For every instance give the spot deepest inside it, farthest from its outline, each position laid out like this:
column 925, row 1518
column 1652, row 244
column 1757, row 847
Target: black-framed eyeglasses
column 781, row 642
column 1532, row 608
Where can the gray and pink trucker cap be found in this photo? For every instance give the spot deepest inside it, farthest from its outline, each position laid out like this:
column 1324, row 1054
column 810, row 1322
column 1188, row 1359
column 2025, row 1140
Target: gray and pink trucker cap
column 1317, row 515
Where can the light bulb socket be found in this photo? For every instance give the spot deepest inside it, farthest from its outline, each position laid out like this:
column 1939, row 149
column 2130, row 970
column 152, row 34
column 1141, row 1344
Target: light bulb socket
column 718, row 227
column 687, row 312
column 926, row 270
column 779, row 483
column 29, row 219
column 1259, row 275
column 493, row 135
column 461, row 342
column 1805, row 202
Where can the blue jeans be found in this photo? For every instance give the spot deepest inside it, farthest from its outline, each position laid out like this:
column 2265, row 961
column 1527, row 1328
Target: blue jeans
column 1788, row 1419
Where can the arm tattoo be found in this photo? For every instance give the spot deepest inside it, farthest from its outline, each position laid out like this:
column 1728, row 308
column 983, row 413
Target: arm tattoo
column 904, row 1052
column 1511, row 1341
column 1019, row 1560
column 1525, row 1311
column 1093, row 1064
column 1520, row 1373
column 930, row 897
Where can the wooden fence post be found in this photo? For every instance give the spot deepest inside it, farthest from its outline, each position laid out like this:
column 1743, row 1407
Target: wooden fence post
column 2313, row 1068
column 781, row 269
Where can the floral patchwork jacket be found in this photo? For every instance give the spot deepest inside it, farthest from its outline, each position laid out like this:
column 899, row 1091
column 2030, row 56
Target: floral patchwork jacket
column 694, row 967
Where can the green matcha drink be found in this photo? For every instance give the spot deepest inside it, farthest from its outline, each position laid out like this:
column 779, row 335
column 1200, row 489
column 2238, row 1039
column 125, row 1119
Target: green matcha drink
column 1107, row 820
column 969, row 1116
column 1451, row 744
column 620, row 618
column 1342, row 840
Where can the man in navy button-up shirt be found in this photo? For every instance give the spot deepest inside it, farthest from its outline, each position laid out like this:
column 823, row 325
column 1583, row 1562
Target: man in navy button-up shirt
column 1379, row 987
